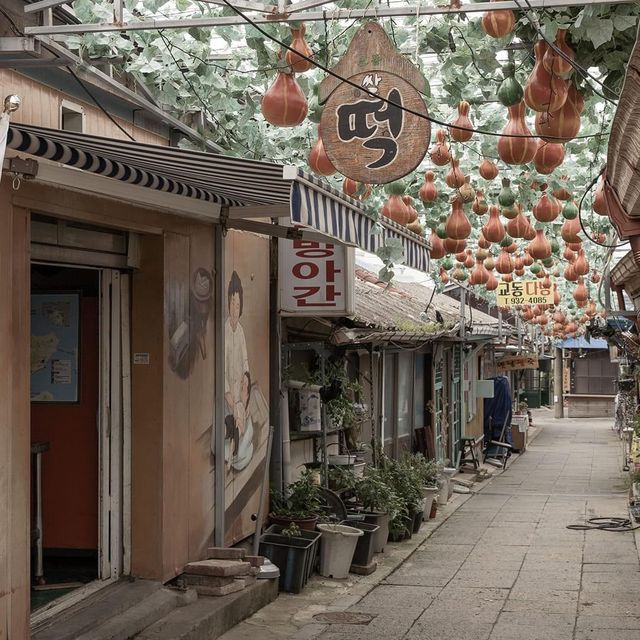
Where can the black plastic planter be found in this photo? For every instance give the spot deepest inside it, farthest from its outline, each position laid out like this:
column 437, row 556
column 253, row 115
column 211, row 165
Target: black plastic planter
column 417, row 520
column 295, row 556
column 363, row 555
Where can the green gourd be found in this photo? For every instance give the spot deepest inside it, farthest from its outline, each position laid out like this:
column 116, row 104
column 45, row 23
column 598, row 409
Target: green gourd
column 507, row 241
column 506, row 197
column 555, row 245
column 548, row 262
column 441, row 231
column 447, row 264
column 509, row 92
column 535, row 268
column 570, row 211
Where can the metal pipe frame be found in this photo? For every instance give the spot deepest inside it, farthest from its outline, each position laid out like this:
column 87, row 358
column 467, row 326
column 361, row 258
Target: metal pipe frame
column 295, row 12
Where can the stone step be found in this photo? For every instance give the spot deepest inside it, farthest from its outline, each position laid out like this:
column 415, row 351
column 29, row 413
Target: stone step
column 220, row 568
column 225, row 553
column 104, row 605
column 211, row 617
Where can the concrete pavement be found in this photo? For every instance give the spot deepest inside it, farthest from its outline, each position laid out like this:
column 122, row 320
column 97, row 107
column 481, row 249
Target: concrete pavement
column 503, row 566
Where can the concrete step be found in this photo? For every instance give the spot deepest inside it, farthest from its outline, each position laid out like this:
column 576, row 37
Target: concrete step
column 138, row 617
column 104, row 605
column 208, row 617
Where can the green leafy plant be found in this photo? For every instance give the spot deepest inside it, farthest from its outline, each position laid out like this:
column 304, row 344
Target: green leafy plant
column 427, row 470
column 300, row 500
column 291, row 531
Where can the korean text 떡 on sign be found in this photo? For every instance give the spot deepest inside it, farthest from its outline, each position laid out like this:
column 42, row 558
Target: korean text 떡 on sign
column 315, row 278
column 523, row 292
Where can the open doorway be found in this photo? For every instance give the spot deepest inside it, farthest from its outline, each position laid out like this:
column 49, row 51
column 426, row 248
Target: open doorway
column 65, row 382
column 80, row 437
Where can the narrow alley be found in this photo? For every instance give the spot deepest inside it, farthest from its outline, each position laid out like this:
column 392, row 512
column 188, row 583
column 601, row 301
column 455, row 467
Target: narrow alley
column 503, row 566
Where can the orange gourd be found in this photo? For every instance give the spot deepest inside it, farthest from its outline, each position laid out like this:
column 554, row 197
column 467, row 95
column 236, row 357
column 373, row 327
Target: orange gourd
column 599, row 203
column 540, row 247
column 440, row 154
column 544, row 91
column 580, row 293
column 507, row 277
column 479, row 275
column 357, row 190
column 413, row 214
column 458, row 226
column 437, row 247
column 395, row 209
column 483, row 243
column 479, row 206
column 319, row 160
column 570, row 230
column 462, row 135
column 455, row 178
column 488, row 169
column 492, row 283
column 516, row 150
column 556, row 64
column 498, row 24
column 428, row 191
column 549, row 156
column 581, row 265
column 517, row 228
column 547, row 208
column 284, row 104
column 468, row 259
column 493, row 230
column 454, row 246
column 504, row 263
column 444, row 276
column 295, row 58
column 562, row 125
column 570, row 273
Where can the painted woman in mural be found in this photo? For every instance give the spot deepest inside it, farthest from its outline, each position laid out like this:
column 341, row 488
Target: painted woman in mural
column 238, row 446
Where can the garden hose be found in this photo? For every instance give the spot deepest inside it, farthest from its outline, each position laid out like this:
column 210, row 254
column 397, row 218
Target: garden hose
column 605, row 524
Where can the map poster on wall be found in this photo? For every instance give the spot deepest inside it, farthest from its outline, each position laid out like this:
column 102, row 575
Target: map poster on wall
column 55, row 339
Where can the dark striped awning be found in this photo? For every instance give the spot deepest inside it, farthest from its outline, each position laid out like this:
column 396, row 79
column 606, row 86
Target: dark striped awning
column 223, row 180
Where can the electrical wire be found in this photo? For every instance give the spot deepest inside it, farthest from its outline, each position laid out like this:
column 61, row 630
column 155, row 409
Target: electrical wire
column 618, row 525
column 364, row 90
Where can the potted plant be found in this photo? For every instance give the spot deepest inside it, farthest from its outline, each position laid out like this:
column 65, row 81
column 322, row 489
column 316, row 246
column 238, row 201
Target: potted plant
column 379, row 504
column 337, row 546
column 405, row 480
column 428, row 472
column 293, row 551
column 298, row 504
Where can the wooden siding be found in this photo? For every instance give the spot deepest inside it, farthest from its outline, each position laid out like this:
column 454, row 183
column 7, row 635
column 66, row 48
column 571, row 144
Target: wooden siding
column 41, row 107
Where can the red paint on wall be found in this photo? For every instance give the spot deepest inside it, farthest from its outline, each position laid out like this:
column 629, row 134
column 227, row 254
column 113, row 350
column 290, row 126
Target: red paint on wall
column 70, row 467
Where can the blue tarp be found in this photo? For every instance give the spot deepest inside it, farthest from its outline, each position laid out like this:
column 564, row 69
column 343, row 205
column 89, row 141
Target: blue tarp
column 497, row 410
column 581, row 343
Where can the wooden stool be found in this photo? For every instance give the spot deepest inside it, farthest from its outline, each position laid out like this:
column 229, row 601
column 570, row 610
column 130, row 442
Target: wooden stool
column 468, row 452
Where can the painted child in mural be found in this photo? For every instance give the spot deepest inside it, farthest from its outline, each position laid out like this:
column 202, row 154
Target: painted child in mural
column 238, row 446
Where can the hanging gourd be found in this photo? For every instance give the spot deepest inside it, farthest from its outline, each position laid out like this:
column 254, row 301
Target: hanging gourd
column 547, row 208
column 454, row 246
column 440, row 154
column 599, row 203
column 562, row 194
column 459, row 274
column 507, row 277
column 506, row 197
column 415, row 226
column 466, row 192
column 535, row 268
column 458, row 225
column 570, row 273
column 549, row 156
column 570, row 230
column 562, row 125
column 465, row 133
column 468, row 259
column 517, row 227
column 444, row 276
column 284, row 104
column 297, row 59
column 580, row 293
column 356, row 190
column 555, row 246
column 437, row 247
column 479, row 275
column 595, row 277
column 413, row 214
column 488, row 169
column 454, row 178
column 318, row 159
column 504, row 263
column 461, row 256
column 581, row 265
column 518, row 272
column 518, row 263
column 479, row 206
column 428, row 191
column 492, row 283
column 568, row 254
column 394, row 208
column 493, row 230
column 498, row 24
column 555, row 63
column 490, row 263
column 539, row 248
column 575, row 246
column 546, row 262
column 527, row 259
column 514, row 147
column 509, row 92
column 544, row 92
column 570, row 210
column 482, row 254
column 512, row 248
column 447, row 263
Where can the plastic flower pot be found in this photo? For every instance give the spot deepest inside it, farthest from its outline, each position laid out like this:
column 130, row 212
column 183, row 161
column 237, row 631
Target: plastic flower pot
column 417, row 519
column 337, row 546
column 430, row 494
column 363, row 555
column 293, row 555
column 449, row 472
column 306, row 524
column 382, row 535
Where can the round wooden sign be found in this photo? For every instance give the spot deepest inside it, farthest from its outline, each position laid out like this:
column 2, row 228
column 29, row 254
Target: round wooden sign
column 372, row 141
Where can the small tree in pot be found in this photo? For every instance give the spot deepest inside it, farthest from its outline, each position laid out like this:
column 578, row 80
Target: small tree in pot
column 299, row 503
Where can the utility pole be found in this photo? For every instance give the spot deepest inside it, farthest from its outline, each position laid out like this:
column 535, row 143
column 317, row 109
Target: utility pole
column 558, row 404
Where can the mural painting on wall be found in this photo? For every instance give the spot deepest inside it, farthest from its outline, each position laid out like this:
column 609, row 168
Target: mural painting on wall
column 188, row 330
column 246, row 379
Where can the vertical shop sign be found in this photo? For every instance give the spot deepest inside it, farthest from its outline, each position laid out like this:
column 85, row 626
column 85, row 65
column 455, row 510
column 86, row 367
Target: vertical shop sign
column 315, row 278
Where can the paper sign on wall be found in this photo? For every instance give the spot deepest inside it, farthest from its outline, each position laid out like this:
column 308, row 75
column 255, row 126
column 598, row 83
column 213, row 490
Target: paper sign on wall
column 315, row 278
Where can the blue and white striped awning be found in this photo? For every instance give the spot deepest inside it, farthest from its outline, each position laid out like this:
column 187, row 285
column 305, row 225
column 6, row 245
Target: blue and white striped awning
column 222, row 180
